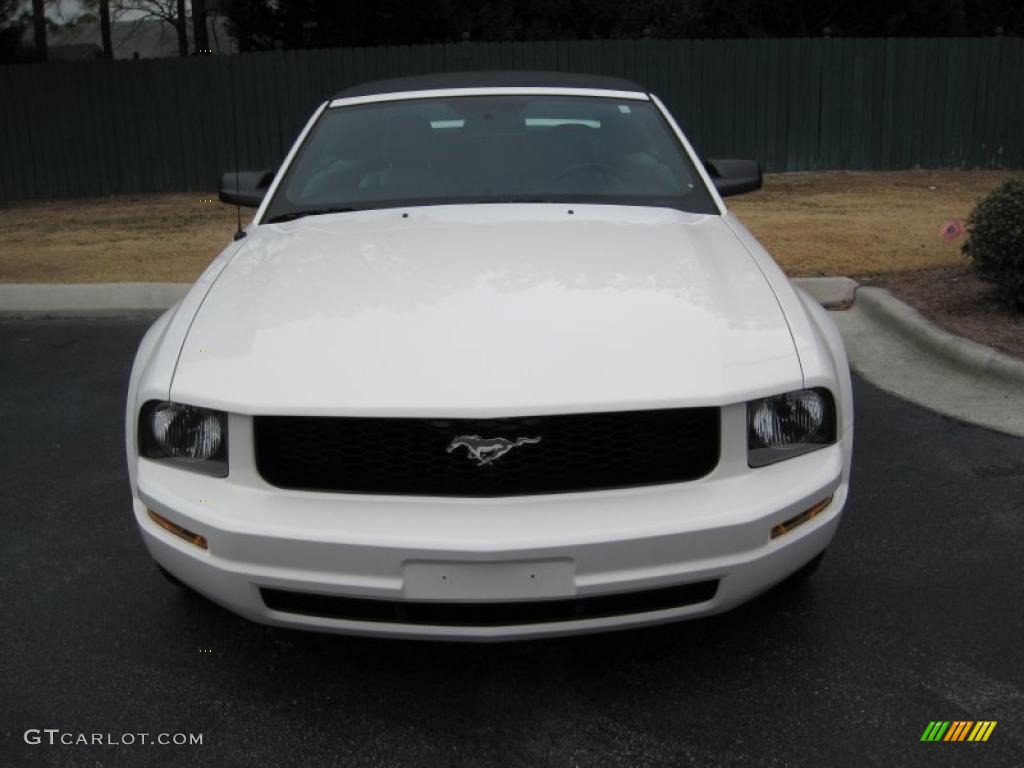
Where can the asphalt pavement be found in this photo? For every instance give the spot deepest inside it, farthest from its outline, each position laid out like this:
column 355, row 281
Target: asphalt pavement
column 917, row 614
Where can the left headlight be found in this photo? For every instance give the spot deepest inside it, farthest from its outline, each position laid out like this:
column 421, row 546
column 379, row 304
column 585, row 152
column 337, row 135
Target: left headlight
column 194, row 438
column 788, row 425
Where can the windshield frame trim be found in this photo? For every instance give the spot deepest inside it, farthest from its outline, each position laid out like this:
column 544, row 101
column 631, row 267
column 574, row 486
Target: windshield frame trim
column 493, row 91
column 698, row 164
column 257, row 219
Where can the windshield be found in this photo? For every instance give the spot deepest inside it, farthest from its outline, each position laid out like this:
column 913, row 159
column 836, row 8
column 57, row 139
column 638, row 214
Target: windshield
column 489, row 149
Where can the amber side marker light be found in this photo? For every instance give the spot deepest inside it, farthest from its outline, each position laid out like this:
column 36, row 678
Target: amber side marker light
column 803, row 517
column 177, row 530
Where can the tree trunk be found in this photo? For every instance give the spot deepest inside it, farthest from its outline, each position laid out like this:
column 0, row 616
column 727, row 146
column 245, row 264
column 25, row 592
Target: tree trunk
column 200, row 40
column 108, row 48
column 39, row 28
column 182, row 29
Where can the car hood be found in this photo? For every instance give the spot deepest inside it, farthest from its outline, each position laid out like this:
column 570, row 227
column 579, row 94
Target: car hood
column 487, row 309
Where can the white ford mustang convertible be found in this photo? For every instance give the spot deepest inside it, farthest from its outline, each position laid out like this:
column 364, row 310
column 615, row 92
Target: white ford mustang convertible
column 493, row 360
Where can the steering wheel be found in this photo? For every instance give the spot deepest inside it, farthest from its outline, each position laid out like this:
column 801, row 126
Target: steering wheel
column 589, row 166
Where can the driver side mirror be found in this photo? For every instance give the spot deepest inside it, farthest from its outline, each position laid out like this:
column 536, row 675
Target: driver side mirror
column 245, row 187
column 734, row 177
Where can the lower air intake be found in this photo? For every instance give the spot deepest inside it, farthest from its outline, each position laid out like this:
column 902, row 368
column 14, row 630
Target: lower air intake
column 463, row 614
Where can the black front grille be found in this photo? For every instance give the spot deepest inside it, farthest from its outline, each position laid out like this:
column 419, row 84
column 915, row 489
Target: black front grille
column 487, row 614
column 417, row 456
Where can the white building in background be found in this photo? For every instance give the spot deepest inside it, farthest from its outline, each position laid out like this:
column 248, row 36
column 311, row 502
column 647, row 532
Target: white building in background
column 130, row 39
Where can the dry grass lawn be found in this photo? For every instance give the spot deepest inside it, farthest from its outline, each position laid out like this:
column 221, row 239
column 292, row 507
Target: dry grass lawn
column 852, row 223
column 148, row 238
column 829, row 223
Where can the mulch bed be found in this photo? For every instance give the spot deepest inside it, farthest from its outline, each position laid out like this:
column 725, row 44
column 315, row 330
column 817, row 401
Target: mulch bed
column 955, row 299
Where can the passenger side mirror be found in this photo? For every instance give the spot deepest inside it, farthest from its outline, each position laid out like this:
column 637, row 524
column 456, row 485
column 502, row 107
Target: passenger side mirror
column 245, row 187
column 734, row 177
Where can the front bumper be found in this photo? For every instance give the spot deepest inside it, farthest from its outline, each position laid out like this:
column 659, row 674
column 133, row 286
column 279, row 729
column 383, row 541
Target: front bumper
column 496, row 550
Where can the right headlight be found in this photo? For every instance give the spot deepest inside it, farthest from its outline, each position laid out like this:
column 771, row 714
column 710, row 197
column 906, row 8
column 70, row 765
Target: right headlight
column 788, row 425
column 191, row 437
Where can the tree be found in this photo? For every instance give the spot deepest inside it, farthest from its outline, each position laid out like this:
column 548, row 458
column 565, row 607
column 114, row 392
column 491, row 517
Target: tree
column 180, row 25
column 98, row 11
column 200, row 38
column 108, row 48
column 171, row 12
column 11, row 30
column 269, row 24
column 39, row 28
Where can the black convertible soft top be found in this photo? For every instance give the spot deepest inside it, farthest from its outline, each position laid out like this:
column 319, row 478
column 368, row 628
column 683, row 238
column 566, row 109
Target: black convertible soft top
column 490, row 79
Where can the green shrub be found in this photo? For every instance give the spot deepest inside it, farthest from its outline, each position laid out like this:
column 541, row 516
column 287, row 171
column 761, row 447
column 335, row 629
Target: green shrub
column 995, row 240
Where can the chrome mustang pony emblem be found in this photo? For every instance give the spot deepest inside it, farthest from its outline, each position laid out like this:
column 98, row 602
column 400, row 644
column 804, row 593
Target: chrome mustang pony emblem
column 487, row 449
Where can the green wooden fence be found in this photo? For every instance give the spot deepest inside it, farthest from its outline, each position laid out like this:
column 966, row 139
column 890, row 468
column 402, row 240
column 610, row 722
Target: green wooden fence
column 116, row 127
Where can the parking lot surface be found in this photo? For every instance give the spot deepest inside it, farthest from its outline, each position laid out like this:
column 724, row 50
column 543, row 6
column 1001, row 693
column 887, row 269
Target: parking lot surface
column 917, row 614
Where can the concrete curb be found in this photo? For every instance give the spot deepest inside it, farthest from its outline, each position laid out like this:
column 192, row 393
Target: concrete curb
column 120, row 299
column 969, row 355
column 88, row 299
column 830, row 292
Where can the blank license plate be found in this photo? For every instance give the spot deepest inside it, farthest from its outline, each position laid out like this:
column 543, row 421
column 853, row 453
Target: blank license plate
column 518, row 580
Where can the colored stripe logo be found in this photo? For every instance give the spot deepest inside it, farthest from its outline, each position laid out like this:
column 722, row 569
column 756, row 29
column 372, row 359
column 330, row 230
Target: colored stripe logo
column 958, row 730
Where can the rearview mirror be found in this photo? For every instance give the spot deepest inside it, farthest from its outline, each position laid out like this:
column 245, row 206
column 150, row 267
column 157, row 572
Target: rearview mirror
column 245, row 187
column 734, row 177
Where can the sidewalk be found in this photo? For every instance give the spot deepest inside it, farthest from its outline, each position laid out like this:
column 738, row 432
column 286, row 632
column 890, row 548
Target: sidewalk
column 956, row 383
